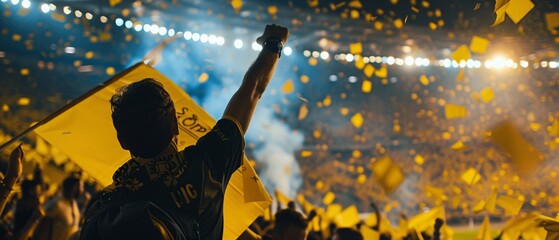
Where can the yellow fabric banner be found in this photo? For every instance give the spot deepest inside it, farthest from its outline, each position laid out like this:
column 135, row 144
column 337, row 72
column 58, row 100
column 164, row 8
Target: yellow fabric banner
column 85, row 132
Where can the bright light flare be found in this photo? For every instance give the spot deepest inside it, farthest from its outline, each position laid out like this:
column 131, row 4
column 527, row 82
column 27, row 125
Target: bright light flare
column 287, row 51
column 238, row 43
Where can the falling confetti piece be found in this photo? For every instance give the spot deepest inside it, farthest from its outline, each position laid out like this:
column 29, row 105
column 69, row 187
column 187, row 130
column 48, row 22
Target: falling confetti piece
column 355, row 48
column 477, row 6
column 424, row 80
column 419, row 159
column 113, row 3
column 398, row 23
column 414, row 9
column 453, row 111
column 272, row 10
column 313, row 61
column 89, row 55
column 327, row 101
column 369, row 70
column 382, row 72
column 479, row 44
column 23, row 101
column 24, row 72
column 237, row 4
column 517, row 9
column 203, row 78
column 357, row 120
column 110, row 71
column 461, row 54
column 303, row 111
column 360, row 63
column 458, row 146
column 287, row 87
column 487, row 94
column 304, row 79
column 367, row 86
column 433, row 26
column 471, row 176
column 329, row 198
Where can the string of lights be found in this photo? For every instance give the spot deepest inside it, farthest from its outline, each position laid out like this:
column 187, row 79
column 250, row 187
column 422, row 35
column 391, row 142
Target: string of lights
column 498, row 62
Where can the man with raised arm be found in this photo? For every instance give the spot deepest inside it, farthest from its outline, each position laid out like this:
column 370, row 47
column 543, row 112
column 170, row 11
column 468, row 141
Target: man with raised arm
column 189, row 184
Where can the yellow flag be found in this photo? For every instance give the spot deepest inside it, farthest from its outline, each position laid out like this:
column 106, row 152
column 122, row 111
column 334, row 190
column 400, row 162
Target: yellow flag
column 485, row 231
column 500, row 14
column 387, row 173
column 355, row 48
column 524, row 156
column 436, row 193
column 479, row 207
column 328, row 198
column 491, row 202
column 459, row 146
column 511, row 205
column 479, row 44
column 471, row 176
column 453, row 111
column 552, row 20
column 369, row 234
column 89, row 121
column 349, row 217
column 517, row 9
column 333, row 210
column 282, row 198
column 426, row 221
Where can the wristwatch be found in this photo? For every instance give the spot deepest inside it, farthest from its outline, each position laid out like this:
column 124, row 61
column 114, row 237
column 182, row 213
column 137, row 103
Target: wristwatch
column 274, row 44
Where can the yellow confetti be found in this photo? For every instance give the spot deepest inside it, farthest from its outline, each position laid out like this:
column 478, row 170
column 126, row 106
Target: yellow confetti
column 237, row 4
column 471, row 176
column 110, row 71
column 479, row 44
column 303, row 111
column 287, row 87
column 396, row 128
column 313, row 61
column 354, row 14
column 16, row 37
column 89, row 55
column 203, row 78
column 352, row 4
column 424, row 80
column 304, row 79
column 382, row 72
column 487, row 94
column 367, row 86
column 114, row 2
column 329, row 198
column 425, row 4
column 419, row 159
column 344, row 111
column 5, row 108
column 355, row 48
column 517, row 9
column 327, row 101
column 319, row 185
column 458, row 146
column 58, row 17
column 552, row 21
column 24, row 72
column 461, row 54
column 378, row 25
column 272, row 10
column 433, row 26
column 306, row 154
column 23, row 101
column 398, row 23
column 387, row 173
column 511, row 205
column 360, row 63
column 500, row 12
column 554, row 130
column 361, row 179
column 369, row 70
column 357, row 120
column 413, row 8
column 453, row 111
column 312, row 3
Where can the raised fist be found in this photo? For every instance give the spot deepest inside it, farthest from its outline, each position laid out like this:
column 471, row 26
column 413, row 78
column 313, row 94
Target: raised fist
column 274, row 31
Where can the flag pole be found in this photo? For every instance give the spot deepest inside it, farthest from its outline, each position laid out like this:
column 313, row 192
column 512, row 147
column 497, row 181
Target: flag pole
column 68, row 106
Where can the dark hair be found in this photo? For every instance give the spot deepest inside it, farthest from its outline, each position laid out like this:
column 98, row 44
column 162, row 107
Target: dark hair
column 348, row 234
column 27, row 186
column 144, row 117
column 288, row 217
column 69, row 183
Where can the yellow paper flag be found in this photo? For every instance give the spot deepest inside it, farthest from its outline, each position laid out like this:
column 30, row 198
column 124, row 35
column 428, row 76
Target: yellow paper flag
column 426, row 220
column 479, row 44
column 355, row 48
column 479, row 207
column 329, row 198
column 387, row 173
column 89, row 121
column 287, row 87
column 436, row 193
column 366, row 86
column 491, row 202
column 487, row 94
column 282, row 198
column 485, row 231
column 511, row 205
column 500, row 14
column 517, row 9
column 554, row 130
column 461, row 53
column 349, row 217
column 333, row 210
column 453, row 111
column 524, row 156
column 552, row 20
column 369, row 234
column 471, row 176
